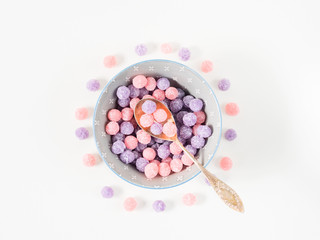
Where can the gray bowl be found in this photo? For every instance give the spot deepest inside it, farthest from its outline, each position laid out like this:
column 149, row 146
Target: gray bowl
column 179, row 74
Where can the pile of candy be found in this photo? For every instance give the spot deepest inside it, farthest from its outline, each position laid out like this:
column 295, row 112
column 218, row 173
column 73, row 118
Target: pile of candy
column 151, row 155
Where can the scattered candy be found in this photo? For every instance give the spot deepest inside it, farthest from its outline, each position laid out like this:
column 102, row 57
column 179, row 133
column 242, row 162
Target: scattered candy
column 230, row 134
column 232, row 109
column 224, row 84
column 159, row 206
column 107, row 192
column 189, row 199
column 156, row 128
column 81, row 113
column 141, row 49
column 166, row 48
column 82, row 133
column 89, row 160
column 114, row 115
column 130, row 204
column 109, row 61
column 184, row 54
column 206, row 66
column 225, row 163
column 93, row 85
column 146, row 120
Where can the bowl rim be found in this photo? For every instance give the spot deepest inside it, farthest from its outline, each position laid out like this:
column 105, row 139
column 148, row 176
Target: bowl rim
column 130, row 66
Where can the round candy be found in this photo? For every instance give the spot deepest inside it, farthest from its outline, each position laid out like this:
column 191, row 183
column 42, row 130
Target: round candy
column 187, row 99
column 206, row 66
column 141, row 49
column 93, row 85
column 141, row 163
column 143, row 92
column 81, row 113
column 204, row 131
column 232, row 109
column 189, row 199
column 151, row 84
column 189, row 119
column 147, row 96
column 134, row 123
column 230, row 134
column 176, row 105
column 109, row 61
column 166, row 48
column 180, row 115
column 134, row 92
column 201, row 117
column 136, row 155
column 158, row 140
column 127, row 156
column 126, row 128
column 224, row 84
column 114, row 115
column 107, row 192
column 156, row 162
column 139, row 81
column 141, row 146
column 130, row 204
column 123, row 92
column 156, row 128
column 185, row 132
column 194, row 129
column 175, row 148
column 112, row 128
column 127, row 114
column 89, row 160
column 118, row 136
column 149, row 106
column 186, row 160
column 184, row 54
column 155, row 146
column 166, row 160
column 124, row 102
column 163, row 83
column 226, row 163
column 159, row 94
column 191, row 149
column 131, row 142
column 171, row 93
column 146, row 120
column 196, row 105
column 133, row 103
column 151, row 170
column 176, row 165
column 179, row 156
column 169, row 129
column 159, row 206
column 163, row 151
column 149, row 154
column 143, row 137
column 197, row 142
column 118, row 147
column 160, row 115
column 181, row 93
column 182, row 140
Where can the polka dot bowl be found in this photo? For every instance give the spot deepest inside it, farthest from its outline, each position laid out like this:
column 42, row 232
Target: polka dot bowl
column 179, row 75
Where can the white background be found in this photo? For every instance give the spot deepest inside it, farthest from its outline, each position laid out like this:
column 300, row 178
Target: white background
column 268, row 49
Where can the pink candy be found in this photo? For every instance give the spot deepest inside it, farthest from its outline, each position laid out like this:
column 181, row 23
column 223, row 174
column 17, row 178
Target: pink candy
column 114, row 115
column 226, row 163
column 151, row 170
column 89, row 160
column 160, row 115
column 189, row 199
column 164, row 169
column 151, row 84
column 133, row 103
column 130, row 204
column 149, row 153
column 176, row 165
column 112, row 128
column 166, row 48
column 206, row 66
column 81, row 113
column 194, row 129
column 201, row 117
column 159, row 94
column 232, row 109
column 146, row 120
column 109, row 61
column 139, row 81
column 131, row 142
column 175, row 149
column 171, row 93
column 143, row 137
column 169, row 129
column 127, row 114
column 186, row 160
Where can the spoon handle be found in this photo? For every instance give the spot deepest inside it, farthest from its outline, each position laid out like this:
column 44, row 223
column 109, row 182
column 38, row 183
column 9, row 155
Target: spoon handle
column 226, row 193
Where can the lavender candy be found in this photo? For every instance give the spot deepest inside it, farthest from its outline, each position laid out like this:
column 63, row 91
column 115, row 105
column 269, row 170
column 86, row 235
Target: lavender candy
column 204, row 131
column 163, row 83
column 123, row 92
column 158, row 140
column 182, row 140
column 224, row 84
column 141, row 163
column 152, row 141
column 118, row 147
column 149, row 107
column 159, row 206
column 166, row 102
column 118, row 136
column 187, row 99
column 127, row 156
column 143, row 92
column 180, row 115
column 191, row 149
column 230, row 134
column 178, row 156
column 156, row 129
column 107, row 192
column 181, row 93
column 82, row 133
column 176, row 105
column 136, row 154
column 163, row 151
column 124, row 102
column 126, row 128
column 166, row 142
column 197, row 142
column 134, row 92
column 184, row 54
column 141, row 147
column 141, row 49
column 196, row 105
column 185, row 132
column 93, row 85
column 189, row 119
column 155, row 146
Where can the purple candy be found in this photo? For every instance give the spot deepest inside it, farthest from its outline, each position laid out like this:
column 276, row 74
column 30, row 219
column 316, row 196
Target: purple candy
column 141, row 147
column 124, row 102
column 191, row 149
column 152, row 141
column 197, row 142
column 93, row 85
column 230, row 134
column 127, row 156
column 184, row 54
column 179, row 156
column 123, row 92
column 163, row 83
column 166, row 142
column 126, row 128
column 189, row 119
column 182, row 140
column 158, row 140
column 156, row 129
column 196, row 105
column 166, row 102
column 141, row 163
column 149, row 107
column 224, row 84
column 141, row 49
column 181, row 93
column 143, row 92
column 204, row 131
column 163, row 151
column 107, row 192
column 187, row 99
column 155, row 146
column 134, row 92
column 176, row 105
column 185, row 132
column 118, row 147
column 159, row 206
column 136, row 154
column 118, row 136
column 82, row 133
column 180, row 115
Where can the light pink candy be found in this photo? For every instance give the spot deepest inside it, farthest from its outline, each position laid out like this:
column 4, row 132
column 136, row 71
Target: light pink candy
column 89, row 160
column 112, row 128
column 151, row 170
column 130, row 204
column 226, row 163
column 166, row 48
column 127, row 114
column 186, row 160
column 139, row 81
column 176, row 165
column 189, row 199
column 81, row 113
column 149, row 153
column 109, row 61
column 134, row 102
column 206, row 66
column 146, row 120
column 164, row 169
column 151, row 84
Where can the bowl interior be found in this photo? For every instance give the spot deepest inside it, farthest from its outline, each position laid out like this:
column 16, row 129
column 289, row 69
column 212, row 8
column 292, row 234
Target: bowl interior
column 180, row 75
